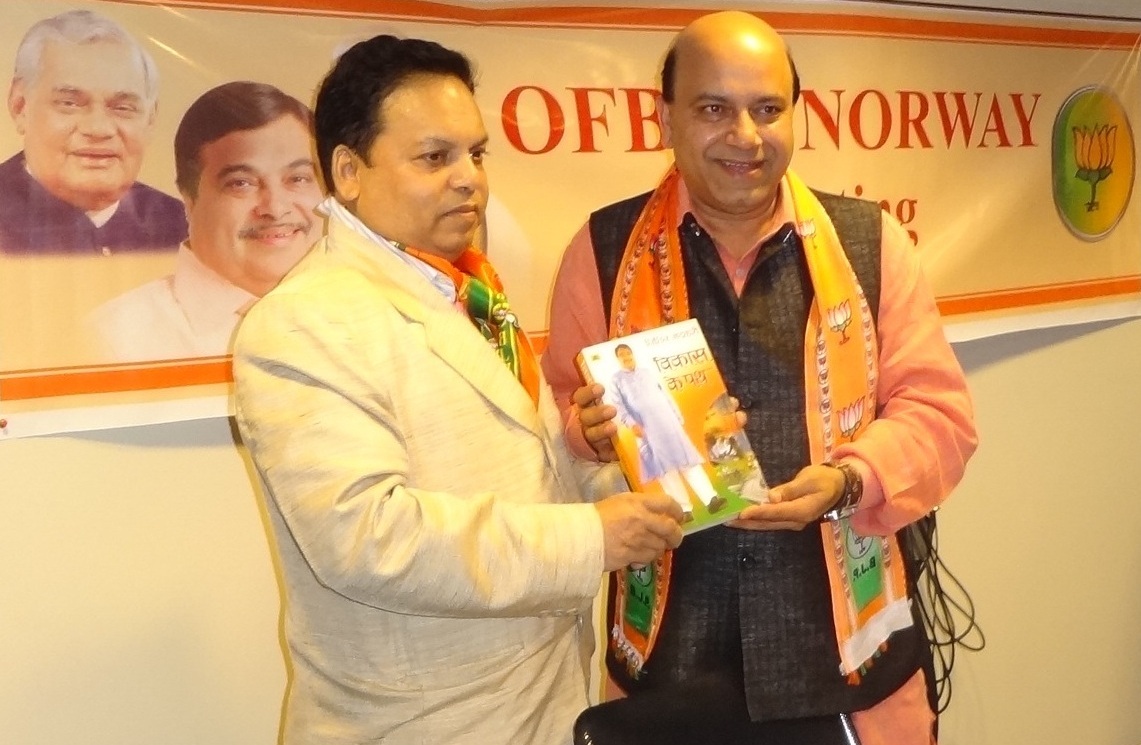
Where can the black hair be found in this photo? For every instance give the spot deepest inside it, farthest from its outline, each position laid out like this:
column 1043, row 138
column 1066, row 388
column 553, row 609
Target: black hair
column 352, row 94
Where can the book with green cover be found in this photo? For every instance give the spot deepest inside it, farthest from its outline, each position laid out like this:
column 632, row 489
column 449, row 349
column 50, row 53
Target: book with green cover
column 677, row 428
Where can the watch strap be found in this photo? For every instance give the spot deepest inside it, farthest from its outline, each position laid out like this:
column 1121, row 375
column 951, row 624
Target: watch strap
column 850, row 496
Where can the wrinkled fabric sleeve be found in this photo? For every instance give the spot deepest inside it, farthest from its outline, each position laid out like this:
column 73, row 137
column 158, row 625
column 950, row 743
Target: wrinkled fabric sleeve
column 916, row 450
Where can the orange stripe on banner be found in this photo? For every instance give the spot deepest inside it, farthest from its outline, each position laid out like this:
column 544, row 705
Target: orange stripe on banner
column 24, row 385
column 674, row 18
column 72, row 382
column 31, row 384
column 958, row 305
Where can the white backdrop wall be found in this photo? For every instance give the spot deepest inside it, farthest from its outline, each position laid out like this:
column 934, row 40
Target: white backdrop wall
column 139, row 602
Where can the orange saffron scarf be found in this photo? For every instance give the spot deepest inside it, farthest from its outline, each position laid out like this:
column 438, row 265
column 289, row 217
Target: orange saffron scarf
column 480, row 292
column 865, row 573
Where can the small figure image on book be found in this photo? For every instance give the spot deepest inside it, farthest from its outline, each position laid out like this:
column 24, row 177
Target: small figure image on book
column 678, row 430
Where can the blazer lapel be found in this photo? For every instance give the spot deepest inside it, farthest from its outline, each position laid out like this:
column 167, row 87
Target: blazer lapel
column 451, row 335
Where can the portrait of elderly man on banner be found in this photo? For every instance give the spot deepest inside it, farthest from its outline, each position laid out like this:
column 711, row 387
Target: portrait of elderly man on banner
column 83, row 97
column 137, row 275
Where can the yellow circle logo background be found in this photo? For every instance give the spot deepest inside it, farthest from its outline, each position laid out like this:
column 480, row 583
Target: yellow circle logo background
column 1094, row 163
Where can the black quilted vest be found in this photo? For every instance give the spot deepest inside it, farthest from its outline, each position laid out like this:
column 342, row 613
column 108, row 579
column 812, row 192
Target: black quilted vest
column 754, row 607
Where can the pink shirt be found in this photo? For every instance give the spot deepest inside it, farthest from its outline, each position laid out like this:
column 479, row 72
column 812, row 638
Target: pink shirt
column 910, row 457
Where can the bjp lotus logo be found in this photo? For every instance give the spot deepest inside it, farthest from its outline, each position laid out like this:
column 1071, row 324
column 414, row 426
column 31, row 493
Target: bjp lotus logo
column 851, row 416
column 1093, row 153
column 1093, row 162
column 839, row 318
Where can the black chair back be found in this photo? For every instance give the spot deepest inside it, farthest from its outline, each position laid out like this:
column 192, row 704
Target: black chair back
column 706, row 712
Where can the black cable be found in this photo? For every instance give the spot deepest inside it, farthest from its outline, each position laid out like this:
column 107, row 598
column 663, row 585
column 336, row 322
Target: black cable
column 945, row 606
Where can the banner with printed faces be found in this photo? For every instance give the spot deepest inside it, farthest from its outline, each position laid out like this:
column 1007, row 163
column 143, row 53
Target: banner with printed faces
column 157, row 174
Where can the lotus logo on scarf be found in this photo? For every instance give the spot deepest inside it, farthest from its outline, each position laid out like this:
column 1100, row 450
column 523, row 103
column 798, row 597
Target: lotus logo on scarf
column 1093, row 162
column 839, row 318
column 850, row 418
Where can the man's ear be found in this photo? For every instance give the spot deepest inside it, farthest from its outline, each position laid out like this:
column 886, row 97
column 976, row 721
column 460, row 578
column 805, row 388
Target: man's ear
column 187, row 203
column 17, row 103
column 345, row 169
column 665, row 119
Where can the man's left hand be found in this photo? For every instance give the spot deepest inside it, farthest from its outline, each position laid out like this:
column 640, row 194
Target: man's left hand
column 797, row 503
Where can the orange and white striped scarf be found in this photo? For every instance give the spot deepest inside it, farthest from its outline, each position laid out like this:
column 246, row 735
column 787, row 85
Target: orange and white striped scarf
column 866, row 575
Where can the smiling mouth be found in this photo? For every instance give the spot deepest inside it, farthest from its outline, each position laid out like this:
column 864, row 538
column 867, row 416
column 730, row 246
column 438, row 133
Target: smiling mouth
column 96, row 158
column 275, row 234
column 742, row 167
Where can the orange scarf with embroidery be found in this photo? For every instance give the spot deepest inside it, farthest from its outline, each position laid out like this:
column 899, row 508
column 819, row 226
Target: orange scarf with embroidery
column 865, row 573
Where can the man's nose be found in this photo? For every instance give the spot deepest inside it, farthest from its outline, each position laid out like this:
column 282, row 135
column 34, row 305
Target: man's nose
column 273, row 201
column 97, row 122
column 466, row 174
column 744, row 131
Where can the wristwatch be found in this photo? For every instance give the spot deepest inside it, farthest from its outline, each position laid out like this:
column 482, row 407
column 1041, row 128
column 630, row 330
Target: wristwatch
column 850, row 497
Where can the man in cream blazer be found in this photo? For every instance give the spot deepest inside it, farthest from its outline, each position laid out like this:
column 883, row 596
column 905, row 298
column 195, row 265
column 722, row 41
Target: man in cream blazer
column 437, row 563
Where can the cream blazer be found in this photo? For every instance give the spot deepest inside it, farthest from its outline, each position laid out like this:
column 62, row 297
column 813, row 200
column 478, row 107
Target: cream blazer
column 438, row 565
